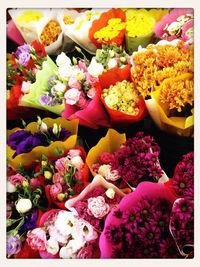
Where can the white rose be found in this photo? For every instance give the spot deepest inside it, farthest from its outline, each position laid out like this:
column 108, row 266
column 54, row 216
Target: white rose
column 23, row 205
column 112, row 63
column 60, row 87
column 65, row 71
column 77, row 162
column 52, row 246
column 26, row 87
column 62, row 59
column 95, row 69
column 11, row 188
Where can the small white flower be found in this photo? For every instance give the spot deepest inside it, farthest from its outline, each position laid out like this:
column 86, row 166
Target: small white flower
column 95, row 69
column 26, row 87
column 11, row 188
column 104, row 169
column 110, row 193
column 52, row 246
column 23, row 205
column 65, row 222
column 65, row 71
column 60, row 87
column 77, row 162
column 62, row 59
column 174, row 27
column 112, row 63
column 66, row 253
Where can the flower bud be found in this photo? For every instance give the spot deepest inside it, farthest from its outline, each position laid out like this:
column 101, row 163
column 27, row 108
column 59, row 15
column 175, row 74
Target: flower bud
column 55, row 128
column 23, row 205
column 25, row 183
column 44, row 163
column 110, row 193
column 61, row 196
column 48, row 175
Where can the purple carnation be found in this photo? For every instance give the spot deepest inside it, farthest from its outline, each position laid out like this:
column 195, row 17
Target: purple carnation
column 28, row 144
column 30, row 218
column 13, row 245
column 17, row 137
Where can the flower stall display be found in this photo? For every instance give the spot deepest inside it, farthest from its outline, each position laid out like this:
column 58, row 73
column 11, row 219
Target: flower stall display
column 95, row 202
column 63, row 176
column 109, row 28
column 40, row 138
column 163, row 74
column 112, row 91
column 22, row 67
column 179, row 23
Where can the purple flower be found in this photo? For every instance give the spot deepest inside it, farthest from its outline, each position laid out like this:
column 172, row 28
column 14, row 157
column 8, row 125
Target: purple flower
column 24, row 58
column 17, row 137
column 45, row 100
column 22, row 49
column 52, row 79
column 168, row 249
column 13, row 245
column 114, row 234
column 28, row 144
column 30, row 218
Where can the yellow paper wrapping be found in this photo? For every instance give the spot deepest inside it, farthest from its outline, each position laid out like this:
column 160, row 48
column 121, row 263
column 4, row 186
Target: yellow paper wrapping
column 110, row 143
column 26, row 159
column 159, row 112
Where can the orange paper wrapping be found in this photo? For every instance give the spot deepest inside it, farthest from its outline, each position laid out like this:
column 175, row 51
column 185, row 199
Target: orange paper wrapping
column 102, row 22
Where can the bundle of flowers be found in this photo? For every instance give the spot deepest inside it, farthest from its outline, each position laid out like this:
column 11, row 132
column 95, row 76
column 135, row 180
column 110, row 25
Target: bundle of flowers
column 120, row 97
column 26, row 202
column 78, row 30
column 179, row 23
column 22, row 67
column 106, row 58
column 141, row 225
column 62, row 234
column 40, row 138
column 95, row 202
column 109, row 28
column 164, row 72
column 134, row 161
column 64, row 176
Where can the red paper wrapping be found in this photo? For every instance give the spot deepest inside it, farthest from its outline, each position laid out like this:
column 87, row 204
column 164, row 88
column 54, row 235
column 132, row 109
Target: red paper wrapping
column 93, row 116
column 111, row 77
column 102, row 22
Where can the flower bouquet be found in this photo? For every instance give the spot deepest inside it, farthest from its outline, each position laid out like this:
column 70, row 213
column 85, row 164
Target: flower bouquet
column 40, row 138
column 26, row 203
column 109, row 28
column 63, row 176
column 22, row 67
column 62, row 234
column 78, row 31
column 134, row 161
column 106, row 58
column 179, row 23
column 95, row 202
column 163, row 73
column 140, row 226
column 119, row 96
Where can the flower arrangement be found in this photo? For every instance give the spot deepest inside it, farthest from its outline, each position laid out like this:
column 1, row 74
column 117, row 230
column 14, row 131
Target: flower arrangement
column 61, row 235
column 22, row 67
column 108, row 57
column 44, row 137
column 109, row 28
column 179, row 23
column 64, row 176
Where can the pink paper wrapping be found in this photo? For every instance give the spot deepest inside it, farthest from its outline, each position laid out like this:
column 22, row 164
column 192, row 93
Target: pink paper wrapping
column 14, row 34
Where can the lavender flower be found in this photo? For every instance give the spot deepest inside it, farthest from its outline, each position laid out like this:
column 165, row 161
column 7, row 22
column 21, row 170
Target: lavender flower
column 17, row 137
column 30, row 219
column 13, row 245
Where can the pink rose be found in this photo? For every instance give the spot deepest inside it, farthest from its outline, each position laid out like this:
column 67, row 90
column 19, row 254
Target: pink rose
column 58, row 178
column 36, row 239
column 72, row 96
column 73, row 83
column 55, row 189
column 16, row 179
column 91, row 93
column 98, row 207
column 61, row 165
column 74, row 152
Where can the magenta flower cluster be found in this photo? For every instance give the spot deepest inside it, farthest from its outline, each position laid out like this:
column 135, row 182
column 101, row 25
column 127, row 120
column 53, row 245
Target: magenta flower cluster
column 137, row 160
